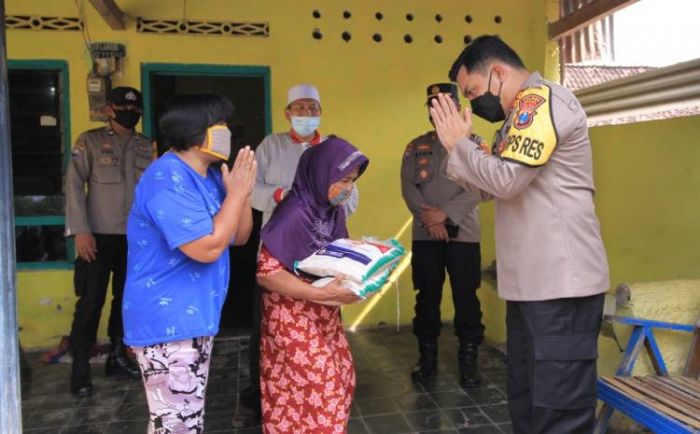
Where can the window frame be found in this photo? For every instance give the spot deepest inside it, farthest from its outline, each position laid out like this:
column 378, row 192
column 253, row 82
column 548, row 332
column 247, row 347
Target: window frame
column 51, row 220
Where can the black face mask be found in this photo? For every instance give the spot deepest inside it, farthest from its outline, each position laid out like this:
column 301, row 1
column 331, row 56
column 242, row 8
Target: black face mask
column 127, row 118
column 488, row 105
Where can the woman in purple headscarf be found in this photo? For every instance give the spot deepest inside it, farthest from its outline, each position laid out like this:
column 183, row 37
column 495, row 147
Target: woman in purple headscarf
column 307, row 374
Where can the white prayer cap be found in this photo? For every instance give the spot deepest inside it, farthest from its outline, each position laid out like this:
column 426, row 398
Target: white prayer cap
column 302, row 91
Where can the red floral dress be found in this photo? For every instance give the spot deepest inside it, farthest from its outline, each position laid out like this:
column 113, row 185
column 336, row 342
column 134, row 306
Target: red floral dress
column 307, row 378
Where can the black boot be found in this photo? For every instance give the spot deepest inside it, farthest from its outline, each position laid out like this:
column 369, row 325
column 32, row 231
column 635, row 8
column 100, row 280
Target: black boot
column 80, row 382
column 119, row 364
column 427, row 363
column 467, row 360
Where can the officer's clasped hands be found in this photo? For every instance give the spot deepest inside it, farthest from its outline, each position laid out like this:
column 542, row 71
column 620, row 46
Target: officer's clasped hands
column 450, row 124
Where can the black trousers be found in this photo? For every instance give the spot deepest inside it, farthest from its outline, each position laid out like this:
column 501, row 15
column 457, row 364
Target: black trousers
column 463, row 263
column 552, row 351
column 91, row 280
column 250, row 397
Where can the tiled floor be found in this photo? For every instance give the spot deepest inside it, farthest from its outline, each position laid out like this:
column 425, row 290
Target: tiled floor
column 386, row 401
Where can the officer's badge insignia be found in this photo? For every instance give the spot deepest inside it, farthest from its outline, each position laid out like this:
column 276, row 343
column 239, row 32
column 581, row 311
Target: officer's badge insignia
column 435, row 90
column 423, row 174
column 130, row 96
column 408, row 151
column 78, row 148
column 527, row 109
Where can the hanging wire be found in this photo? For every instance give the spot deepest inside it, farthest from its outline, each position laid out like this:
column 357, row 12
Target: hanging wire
column 184, row 11
column 80, row 4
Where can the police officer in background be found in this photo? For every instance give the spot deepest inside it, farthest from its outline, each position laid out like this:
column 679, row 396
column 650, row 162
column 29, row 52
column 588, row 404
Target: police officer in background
column 446, row 235
column 552, row 266
column 109, row 160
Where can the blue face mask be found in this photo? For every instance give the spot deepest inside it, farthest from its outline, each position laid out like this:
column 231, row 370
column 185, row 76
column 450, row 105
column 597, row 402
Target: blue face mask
column 305, row 125
column 340, row 198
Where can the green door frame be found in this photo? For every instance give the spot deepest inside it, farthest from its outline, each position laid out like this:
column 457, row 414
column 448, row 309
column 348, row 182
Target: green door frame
column 51, row 220
column 147, row 69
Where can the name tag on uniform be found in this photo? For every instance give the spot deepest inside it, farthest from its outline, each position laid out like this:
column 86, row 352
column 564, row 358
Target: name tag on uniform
column 107, row 148
column 108, row 161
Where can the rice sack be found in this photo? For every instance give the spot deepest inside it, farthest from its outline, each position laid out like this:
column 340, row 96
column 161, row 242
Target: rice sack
column 357, row 260
column 363, row 290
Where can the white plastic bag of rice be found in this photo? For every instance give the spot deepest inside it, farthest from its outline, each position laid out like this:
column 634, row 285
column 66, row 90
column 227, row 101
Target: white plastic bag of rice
column 363, row 290
column 358, row 260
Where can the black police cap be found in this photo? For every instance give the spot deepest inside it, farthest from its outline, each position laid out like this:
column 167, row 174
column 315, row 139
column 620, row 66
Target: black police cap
column 124, row 96
column 449, row 88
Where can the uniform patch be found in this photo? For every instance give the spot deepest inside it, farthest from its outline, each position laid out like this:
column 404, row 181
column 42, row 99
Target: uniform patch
column 408, row 151
column 527, row 109
column 531, row 139
column 423, row 161
column 424, row 147
column 78, row 148
column 109, row 161
column 423, row 174
column 107, row 148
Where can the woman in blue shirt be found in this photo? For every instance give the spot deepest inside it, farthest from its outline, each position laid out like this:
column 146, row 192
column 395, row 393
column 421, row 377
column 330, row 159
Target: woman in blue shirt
column 186, row 214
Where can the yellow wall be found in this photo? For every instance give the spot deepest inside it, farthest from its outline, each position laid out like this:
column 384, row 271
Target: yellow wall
column 372, row 94
column 647, row 182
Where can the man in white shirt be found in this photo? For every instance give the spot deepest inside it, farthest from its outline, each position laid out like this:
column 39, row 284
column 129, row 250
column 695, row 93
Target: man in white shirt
column 278, row 154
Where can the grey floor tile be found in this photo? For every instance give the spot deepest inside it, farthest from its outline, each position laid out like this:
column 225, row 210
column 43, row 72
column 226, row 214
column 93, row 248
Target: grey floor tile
column 497, row 413
column 84, row 429
column 126, row 427
column 466, row 417
column 389, row 423
column 357, row 426
column 409, row 403
column 484, row 429
column 487, row 395
column 506, row 428
column 374, row 406
column 92, row 415
column 55, row 419
column 386, row 401
column 428, row 420
column 131, row 412
column 452, row 399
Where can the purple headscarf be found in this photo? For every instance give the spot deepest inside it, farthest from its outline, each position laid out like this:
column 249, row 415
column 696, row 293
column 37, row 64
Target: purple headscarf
column 305, row 220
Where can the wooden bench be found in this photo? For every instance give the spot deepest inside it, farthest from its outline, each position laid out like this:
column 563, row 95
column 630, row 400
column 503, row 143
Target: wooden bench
column 661, row 403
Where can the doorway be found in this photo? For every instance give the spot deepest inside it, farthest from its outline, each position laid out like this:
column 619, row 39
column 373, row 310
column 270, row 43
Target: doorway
column 248, row 88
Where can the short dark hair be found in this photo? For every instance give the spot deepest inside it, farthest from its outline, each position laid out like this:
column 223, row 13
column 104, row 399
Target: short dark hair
column 187, row 117
column 481, row 52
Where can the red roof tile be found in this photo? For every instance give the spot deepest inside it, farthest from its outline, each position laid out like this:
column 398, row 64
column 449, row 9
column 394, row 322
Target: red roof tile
column 578, row 76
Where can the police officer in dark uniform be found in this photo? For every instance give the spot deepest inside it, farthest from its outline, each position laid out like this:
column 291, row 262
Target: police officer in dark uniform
column 109, row 160
column 446, row 235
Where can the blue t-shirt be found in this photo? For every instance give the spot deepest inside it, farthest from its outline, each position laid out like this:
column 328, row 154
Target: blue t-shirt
column 169, row 296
